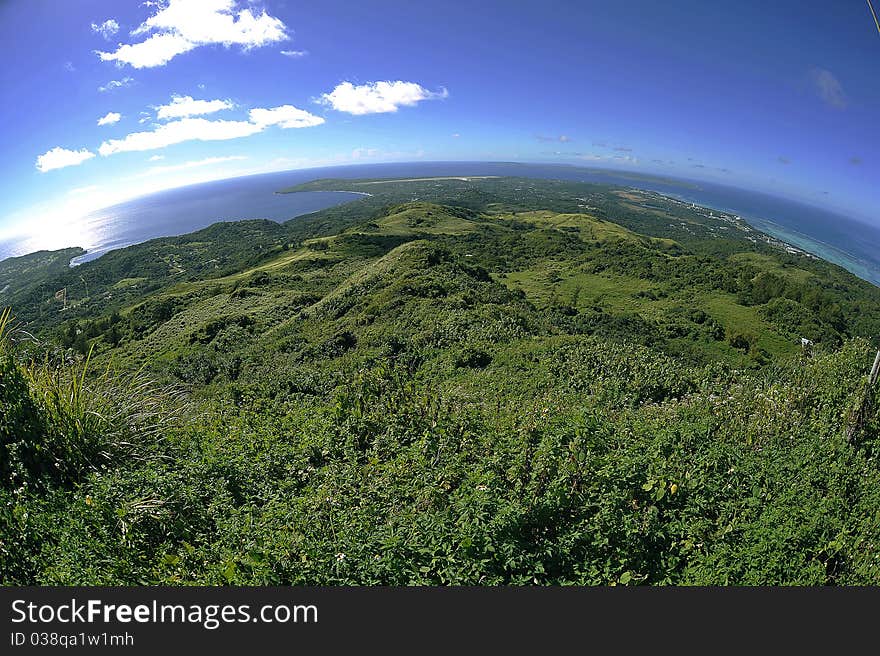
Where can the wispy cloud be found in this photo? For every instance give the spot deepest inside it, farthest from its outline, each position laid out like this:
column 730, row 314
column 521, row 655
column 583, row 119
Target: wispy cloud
column 179, row 26
column 59, row 158
column 106, row 29
column 361, row 153
column 158, row 50
column 828, row 88
column 356, row 155
column 182, row 106
column 378, row 97
column 110, row 118
column 614, row 159
column 171, row 168
column 79, row 191
column 294, row 54
column 562, row 138
column 285, row 116
column 623, row 149
column 201, row 129
column 116, row 84
column 174, row 132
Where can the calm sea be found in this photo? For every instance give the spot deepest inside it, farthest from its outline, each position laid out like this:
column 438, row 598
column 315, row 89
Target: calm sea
column 850, row 243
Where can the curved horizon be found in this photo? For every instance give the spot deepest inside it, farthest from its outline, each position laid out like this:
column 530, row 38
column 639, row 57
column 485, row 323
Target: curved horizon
column 169, row 212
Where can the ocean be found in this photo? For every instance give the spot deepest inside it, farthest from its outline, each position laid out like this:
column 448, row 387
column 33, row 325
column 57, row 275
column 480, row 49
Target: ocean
column 852, row 244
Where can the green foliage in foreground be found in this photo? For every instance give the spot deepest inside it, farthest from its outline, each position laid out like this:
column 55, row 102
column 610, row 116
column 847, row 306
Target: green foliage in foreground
column 655, row 473
column 439, row 395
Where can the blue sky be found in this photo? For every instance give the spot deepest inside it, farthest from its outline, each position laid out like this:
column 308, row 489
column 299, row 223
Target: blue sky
column 780, row 97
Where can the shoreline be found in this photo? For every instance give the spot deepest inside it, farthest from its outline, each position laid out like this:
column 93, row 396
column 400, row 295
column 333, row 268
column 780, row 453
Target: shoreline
column 90, row 256
column 803, row 245
column 766, row 230
column 792, row 239
column 321, row 191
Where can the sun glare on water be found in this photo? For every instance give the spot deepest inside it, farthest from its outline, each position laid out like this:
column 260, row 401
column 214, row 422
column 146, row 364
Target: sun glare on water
column 61, row 225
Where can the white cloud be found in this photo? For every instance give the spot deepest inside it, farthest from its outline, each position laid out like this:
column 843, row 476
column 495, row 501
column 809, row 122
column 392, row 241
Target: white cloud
column 116, row 84
column 159, row 170
column 179, row 26
column 378, row 97
column 158, row 50
column 156, row 158
column 182, row 106
column 58, row 158
column 110, row 118
column 186, row 129
column 106, row 29
column 201, row 129
column 455, row 135
column 294, row 53
column 285, row 116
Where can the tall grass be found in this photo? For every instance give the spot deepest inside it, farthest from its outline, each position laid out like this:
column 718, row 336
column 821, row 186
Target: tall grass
column 79, row 418
column 8, row 330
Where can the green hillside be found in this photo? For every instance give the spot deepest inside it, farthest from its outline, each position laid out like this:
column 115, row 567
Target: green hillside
column 451, row 381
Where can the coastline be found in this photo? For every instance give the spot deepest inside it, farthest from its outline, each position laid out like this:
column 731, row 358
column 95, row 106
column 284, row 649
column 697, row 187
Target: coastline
column 323, row 191
column 766, row 230
column 795, row 240
column 818, row 248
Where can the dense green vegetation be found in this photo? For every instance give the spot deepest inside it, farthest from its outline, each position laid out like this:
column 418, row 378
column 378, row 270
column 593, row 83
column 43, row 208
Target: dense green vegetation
column 450, row 381
column 33, row 275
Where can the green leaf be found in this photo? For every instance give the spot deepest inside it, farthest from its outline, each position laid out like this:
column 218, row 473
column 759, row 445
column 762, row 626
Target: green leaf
column 229, row 571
